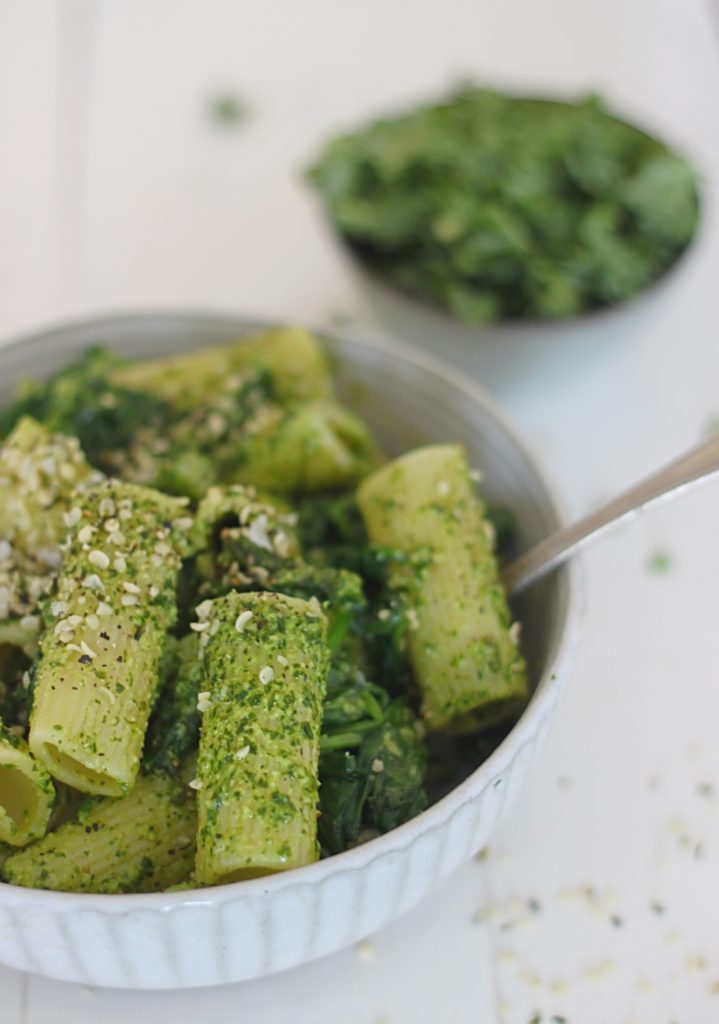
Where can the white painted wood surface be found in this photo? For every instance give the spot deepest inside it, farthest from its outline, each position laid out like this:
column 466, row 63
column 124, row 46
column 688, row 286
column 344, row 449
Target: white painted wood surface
column 599, row 898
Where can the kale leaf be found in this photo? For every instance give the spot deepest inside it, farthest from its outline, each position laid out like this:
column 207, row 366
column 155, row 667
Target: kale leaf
column 174, row 726
column 372, row 765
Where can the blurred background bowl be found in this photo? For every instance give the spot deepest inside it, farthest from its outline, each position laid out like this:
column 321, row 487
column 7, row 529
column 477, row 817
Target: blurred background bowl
column 516, row 235
column 249, row 929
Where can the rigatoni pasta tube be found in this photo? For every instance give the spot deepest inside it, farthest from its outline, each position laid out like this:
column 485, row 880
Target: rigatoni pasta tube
column 143, row 842
column 267, row 525
column 265, row 664
column 27, row 794
column 100, row 654
column 290, row 355
column 314, row 447
column 462, row 648
column 38, row 473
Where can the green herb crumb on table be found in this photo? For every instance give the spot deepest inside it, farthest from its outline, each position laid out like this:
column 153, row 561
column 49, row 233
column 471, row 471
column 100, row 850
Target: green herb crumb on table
column 660, row 562
column 228, row 110
column 496, row 207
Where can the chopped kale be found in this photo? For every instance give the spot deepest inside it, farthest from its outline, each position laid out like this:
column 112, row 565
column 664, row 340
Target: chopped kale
column 498, row 207
column 398, row 763
column 81, row 400
column 344, row 784
column 376, row 782
column 174, row 727
column 331, row 530
column 660, row 562
column 504, row 523
column 387, row 620
column 338, row 591
column 139, row 435
column 16, row 678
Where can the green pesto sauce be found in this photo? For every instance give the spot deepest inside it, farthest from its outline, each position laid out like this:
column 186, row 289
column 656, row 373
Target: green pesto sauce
column 142, row 843
column 259, row 743
column 105, row 628
column 463, row 652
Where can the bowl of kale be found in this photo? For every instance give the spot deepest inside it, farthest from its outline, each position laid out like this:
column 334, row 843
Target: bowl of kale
column 496, row 208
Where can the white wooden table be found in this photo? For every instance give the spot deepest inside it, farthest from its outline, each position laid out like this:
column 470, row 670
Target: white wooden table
column 598, row 899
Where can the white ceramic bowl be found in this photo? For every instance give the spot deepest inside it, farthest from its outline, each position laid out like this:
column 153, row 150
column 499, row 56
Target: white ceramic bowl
column 248, row 929
column 521, row 359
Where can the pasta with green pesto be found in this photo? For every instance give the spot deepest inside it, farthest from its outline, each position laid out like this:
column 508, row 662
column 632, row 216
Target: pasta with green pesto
column 291, row 356
column 315, row 447
column 265, row 660
column 101, row 650
column 461, row 642
column 142, row 842
column 39, row 472
column 233, row 639
column 27, row 794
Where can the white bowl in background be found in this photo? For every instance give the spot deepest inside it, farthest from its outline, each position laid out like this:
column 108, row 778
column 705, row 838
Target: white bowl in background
column 248, row 929
column 513, row 358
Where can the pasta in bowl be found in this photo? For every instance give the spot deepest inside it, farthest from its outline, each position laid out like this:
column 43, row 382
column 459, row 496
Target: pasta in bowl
column 312, row 602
